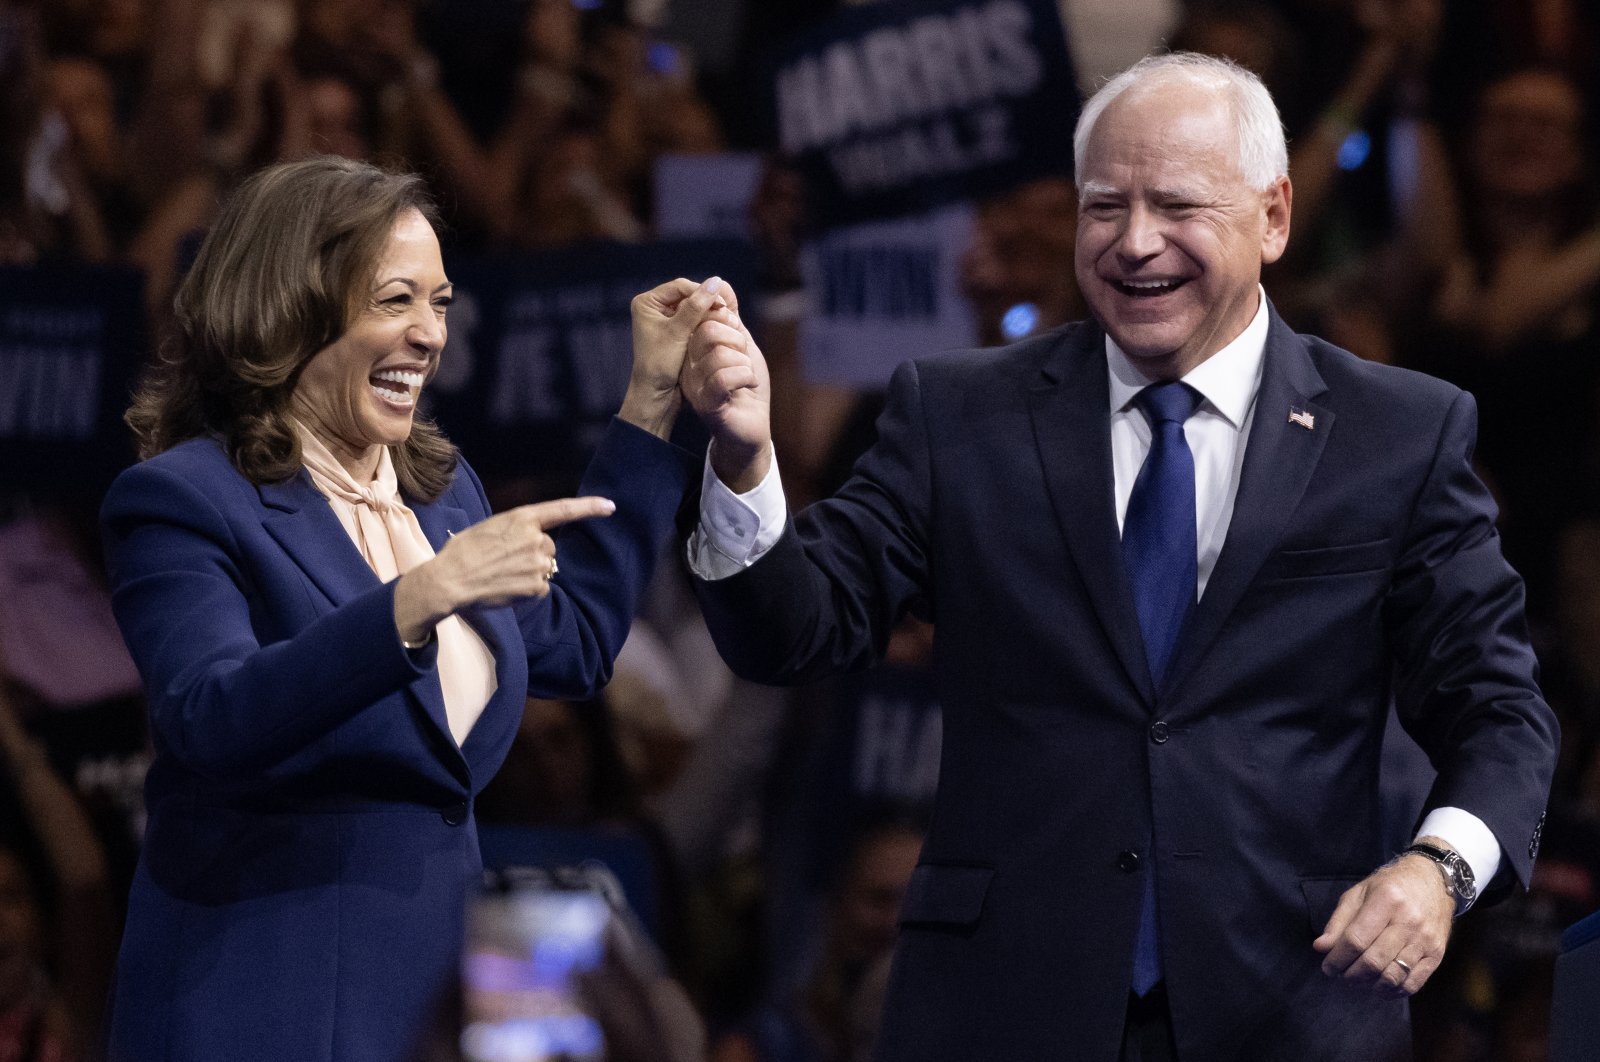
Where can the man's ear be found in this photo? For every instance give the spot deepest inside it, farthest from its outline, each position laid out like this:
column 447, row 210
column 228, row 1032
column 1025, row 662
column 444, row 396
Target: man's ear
column 1276, row 203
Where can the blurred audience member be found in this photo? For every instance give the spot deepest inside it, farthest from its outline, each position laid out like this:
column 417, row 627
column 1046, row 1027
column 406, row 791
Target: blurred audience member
column 1524, row 260
column 832, row 1014
column 46, row 207
column 1020, row 259
column 1571, row 663
column 1253, row 34
column 1510, row 268
column 57, row 935
column 596, row 102
column 564, row 769
column 34, row 1024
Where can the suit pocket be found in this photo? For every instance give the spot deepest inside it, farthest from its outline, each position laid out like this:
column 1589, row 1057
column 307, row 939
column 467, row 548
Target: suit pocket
column 945, row 894
column 1352, row 559
column 1322, row 896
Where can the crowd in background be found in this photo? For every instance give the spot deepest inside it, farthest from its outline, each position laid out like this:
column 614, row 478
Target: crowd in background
column 1446, row 219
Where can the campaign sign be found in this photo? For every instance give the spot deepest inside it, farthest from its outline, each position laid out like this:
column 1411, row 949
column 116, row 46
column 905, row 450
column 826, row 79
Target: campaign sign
column 541, row 345
column 881, row 292
column 899, row 106
column 72, row 339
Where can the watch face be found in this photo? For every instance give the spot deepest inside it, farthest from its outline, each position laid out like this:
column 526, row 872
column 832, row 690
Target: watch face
column 1463, row 872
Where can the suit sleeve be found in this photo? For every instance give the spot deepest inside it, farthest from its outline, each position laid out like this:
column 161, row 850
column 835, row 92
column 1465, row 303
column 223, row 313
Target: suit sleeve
column 1466, row 677
column 573, row 635
column 220, row 701
column 827, row 596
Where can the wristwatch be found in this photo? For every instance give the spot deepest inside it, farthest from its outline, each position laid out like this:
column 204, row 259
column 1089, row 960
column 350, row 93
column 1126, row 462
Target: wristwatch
column 1458, row 879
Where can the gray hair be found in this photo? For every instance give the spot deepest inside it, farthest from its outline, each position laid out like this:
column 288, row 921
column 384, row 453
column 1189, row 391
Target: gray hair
column 1263, row 154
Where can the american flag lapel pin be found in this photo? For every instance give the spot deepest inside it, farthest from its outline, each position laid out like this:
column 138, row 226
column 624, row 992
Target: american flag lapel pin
column 1302, row 417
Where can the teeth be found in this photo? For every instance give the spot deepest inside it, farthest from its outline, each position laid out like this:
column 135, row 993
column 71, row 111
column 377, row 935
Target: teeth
column 390, row 394
column 408, row 379
column 1150, row 285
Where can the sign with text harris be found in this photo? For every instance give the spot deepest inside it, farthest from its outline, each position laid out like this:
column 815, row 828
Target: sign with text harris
column 897, row 107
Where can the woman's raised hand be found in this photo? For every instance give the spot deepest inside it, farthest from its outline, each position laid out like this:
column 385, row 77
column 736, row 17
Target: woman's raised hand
column 663, row 319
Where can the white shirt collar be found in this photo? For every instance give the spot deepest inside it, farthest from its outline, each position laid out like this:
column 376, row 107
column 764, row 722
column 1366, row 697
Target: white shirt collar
column 1228, row 380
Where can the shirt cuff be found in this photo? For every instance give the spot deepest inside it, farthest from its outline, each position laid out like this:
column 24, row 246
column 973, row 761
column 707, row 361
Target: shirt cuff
column 736, row 530
column 1471, row 839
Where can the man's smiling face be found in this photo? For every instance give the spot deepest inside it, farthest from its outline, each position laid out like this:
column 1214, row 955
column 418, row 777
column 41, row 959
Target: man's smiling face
column 1171, row 239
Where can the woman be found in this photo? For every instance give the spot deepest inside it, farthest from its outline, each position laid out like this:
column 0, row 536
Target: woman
column 321, row 726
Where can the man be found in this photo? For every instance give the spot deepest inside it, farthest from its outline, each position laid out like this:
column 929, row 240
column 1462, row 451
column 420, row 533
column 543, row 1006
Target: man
column 1179, row 561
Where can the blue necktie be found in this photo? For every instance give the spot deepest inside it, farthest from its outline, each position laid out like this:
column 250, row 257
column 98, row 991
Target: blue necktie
column 1158, row 550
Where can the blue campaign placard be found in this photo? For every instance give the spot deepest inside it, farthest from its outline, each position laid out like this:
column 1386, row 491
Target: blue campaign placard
column 883, row 291
column 72, row 341
column 897, row 107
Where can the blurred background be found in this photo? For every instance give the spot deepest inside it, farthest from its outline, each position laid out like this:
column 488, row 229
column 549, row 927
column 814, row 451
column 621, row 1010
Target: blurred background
column 878, row 180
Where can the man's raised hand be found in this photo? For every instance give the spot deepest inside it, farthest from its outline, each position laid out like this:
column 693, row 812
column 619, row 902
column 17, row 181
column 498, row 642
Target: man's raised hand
column 725, row 379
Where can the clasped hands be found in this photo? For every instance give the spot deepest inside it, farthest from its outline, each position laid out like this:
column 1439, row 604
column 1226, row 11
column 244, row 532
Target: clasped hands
column 1389, row 930
column 723, row 374
column 687, row 341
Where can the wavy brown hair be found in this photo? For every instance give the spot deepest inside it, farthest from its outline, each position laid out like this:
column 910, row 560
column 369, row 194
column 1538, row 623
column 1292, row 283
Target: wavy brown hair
column 283, row 272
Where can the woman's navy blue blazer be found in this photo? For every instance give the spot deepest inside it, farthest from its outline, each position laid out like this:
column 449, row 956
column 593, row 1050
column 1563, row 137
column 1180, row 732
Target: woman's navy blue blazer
column 311, row 842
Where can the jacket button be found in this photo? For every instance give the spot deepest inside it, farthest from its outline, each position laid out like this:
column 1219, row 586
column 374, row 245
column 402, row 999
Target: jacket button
column 1128, row 862
column 455, row 814
column 1159, row 733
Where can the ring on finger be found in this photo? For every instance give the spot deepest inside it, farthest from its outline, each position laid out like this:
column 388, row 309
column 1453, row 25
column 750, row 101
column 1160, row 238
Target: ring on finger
column 554, row 567
column 1406, row 966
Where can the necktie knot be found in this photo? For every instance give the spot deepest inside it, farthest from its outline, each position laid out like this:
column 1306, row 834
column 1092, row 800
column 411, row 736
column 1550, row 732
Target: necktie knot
column 1168, row 403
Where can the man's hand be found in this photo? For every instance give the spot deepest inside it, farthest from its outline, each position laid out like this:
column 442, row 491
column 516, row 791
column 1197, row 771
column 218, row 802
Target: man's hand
column 1399, row 917
column 725, row 379
column 663, row 317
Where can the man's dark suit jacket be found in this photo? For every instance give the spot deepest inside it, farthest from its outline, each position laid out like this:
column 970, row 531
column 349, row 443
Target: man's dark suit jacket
column 311, row 844
column 1361, row 565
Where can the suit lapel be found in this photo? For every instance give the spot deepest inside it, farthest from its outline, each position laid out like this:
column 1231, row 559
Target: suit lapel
column 1278, row 462
column 301, row 521
column 1072, row 427
column 439, row 521
column 304, row 525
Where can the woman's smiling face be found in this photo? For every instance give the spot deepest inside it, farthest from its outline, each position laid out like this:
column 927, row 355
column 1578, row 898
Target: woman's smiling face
column 359, row 393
